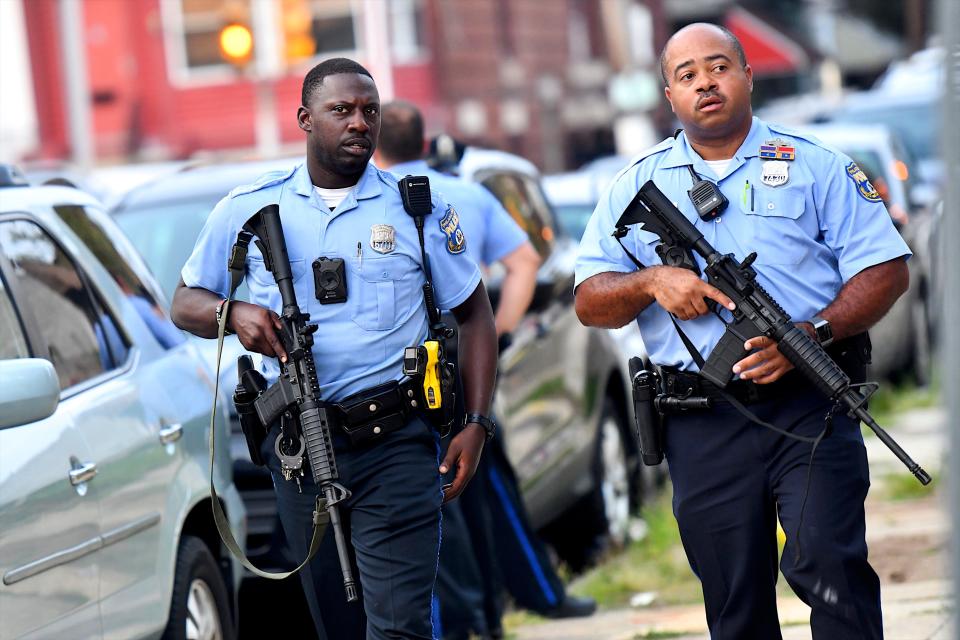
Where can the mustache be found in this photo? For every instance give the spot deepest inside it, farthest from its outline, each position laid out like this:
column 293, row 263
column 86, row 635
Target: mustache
column 709, row 95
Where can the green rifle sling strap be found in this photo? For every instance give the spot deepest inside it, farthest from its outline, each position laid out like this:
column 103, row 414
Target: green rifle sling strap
column 320, row 517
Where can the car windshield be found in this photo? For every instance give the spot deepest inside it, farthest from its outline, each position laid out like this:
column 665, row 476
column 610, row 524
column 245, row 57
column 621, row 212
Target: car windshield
column 573, row 218
column 165, row 235
column 912, row 122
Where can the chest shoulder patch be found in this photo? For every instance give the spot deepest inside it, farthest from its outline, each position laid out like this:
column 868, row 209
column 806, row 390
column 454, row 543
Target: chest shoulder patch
column 864, row 188
column 450, row 225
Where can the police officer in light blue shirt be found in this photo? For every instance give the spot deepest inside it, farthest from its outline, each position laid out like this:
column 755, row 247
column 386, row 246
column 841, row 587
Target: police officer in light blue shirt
column 828, row 252
column 339, row 206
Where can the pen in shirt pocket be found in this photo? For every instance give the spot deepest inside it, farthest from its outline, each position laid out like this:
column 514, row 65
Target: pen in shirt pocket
column 360, row 255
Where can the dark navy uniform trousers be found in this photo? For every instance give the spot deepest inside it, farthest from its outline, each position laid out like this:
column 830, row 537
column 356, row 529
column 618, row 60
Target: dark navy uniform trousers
column 489, row 547
column 392, row 520
column 732, row 478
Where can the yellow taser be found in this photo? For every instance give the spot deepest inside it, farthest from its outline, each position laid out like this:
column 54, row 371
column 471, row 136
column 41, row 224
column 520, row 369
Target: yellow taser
column 431, row 377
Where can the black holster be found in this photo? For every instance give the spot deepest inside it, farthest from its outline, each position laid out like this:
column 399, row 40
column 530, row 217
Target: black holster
column 250, row 384
column 649, row 421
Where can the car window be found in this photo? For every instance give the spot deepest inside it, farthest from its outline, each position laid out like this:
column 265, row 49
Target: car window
column 115, row 254
column 165, row 234
column 13, row 344
column 914, row 124
column 82, row 340
column 573, row 218
column 524, row 201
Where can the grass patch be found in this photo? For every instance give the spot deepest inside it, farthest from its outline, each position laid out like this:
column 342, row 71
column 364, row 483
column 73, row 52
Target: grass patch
column 889, row 401
column 904, row 486
column 656, row 563
column 651, row 635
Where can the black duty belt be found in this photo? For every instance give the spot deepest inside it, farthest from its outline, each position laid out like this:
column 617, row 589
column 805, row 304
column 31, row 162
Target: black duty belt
column 852, row 354
column 368, row 415
column 685, row 383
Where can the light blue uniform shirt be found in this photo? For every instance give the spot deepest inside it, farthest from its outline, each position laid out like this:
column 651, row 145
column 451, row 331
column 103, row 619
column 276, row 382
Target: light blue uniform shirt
column 492, row 233
column 811, row 234
column 360, row 342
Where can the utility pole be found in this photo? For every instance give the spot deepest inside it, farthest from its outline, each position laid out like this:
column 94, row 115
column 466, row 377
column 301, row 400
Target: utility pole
column 949, row 21
column 79, row 121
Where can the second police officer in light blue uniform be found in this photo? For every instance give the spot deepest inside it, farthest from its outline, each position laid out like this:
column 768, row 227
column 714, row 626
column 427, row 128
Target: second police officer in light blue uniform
column 489, row 545
column 828, row 252
column 339, row 206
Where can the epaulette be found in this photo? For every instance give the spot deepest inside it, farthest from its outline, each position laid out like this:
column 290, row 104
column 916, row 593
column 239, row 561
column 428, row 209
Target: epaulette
column 798, row 134
column 268, row 179
column 664, row 145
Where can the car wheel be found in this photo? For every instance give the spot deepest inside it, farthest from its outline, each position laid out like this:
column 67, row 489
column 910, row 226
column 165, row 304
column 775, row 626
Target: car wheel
column 612, row 477
column 199, row 608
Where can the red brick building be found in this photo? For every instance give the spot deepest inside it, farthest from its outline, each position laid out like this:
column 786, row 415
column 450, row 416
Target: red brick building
column 510, row 73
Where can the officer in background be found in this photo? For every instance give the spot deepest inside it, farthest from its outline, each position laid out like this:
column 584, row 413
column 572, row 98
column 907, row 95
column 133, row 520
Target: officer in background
column 339, row 205
column 828, row 252
column 488, row 543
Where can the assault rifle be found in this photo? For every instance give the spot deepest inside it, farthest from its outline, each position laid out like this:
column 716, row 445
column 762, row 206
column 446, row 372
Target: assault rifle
column 295, row 397
column 756, row 313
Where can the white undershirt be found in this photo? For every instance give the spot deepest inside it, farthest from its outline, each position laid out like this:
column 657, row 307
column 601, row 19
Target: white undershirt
column 719, row 167
column 333, row 197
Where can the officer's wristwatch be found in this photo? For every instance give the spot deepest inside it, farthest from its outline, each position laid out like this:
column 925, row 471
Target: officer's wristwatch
column 823, row 330
column 220, row 307
column 478, row 418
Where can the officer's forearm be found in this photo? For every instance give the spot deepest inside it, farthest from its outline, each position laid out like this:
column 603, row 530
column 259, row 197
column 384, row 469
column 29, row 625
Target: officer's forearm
column 477, row 350
column 195, row 310
column 867, row 297
column 612, row 300
column 517, row 288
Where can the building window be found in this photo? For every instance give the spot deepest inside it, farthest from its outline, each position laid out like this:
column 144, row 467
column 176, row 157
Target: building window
column 201, row 22
column 288, row 32
column 332, row 26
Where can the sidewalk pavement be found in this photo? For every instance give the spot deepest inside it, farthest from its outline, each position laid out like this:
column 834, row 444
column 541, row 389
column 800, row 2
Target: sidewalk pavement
column 908, row 547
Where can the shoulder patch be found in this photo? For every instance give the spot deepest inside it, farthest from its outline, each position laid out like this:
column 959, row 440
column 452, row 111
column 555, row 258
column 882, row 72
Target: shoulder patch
column 266, row 180
column 864, row 188
column 450, row 225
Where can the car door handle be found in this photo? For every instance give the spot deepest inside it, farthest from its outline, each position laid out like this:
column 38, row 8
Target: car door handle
column 82, row 473
column 171, row 433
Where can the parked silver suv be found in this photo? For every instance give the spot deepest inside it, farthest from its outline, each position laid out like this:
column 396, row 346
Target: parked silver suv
column 105, row 512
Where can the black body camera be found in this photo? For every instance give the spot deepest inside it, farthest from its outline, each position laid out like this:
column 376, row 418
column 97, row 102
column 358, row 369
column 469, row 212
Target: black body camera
column 330, row 280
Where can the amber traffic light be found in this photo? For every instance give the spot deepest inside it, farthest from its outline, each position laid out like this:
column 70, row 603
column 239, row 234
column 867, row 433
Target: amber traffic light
column 236, row 43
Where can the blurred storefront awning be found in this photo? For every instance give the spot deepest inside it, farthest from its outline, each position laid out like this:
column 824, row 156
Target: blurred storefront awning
column 769, row 52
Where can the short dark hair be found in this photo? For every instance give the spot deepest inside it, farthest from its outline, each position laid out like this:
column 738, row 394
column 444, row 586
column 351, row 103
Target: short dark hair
column 732, row 39
column 401, row 132
column 333, row 66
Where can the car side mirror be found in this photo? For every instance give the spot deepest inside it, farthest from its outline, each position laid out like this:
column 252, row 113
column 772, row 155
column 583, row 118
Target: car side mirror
column 30, row 392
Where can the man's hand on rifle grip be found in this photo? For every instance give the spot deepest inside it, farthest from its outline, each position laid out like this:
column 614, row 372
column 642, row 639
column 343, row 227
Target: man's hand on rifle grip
column 682, row 293
column 765, row 365
column 257, row 329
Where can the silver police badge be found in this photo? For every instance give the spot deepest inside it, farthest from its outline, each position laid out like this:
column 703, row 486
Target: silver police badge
column 775, row 173
column 383, row 238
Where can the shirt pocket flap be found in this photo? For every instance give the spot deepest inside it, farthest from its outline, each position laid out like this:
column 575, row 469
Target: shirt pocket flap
column 778, row 203
column 383, row 268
